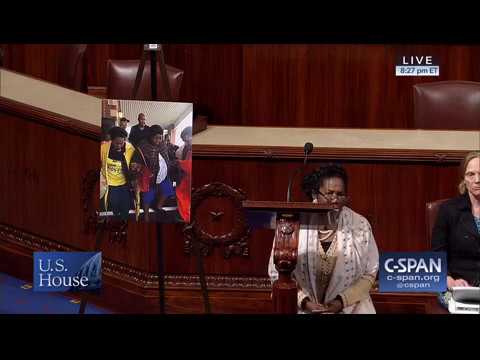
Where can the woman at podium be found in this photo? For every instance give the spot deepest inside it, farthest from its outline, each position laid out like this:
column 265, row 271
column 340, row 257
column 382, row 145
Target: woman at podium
column 337, row 261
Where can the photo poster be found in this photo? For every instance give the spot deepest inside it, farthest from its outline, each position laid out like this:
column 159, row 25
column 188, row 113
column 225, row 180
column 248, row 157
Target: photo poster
column 146, row 161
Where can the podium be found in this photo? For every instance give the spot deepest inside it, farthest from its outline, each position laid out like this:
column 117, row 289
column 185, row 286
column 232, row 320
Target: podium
column 285, row 218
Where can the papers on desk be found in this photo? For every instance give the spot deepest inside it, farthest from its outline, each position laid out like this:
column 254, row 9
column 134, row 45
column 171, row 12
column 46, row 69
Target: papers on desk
column 465, row 300
column 469, row 294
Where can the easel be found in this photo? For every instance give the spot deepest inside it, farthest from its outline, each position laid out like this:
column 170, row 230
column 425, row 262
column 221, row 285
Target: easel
column 152, row 49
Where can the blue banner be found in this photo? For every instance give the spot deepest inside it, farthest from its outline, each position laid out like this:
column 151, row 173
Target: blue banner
column 413, row 272
column 67, row 271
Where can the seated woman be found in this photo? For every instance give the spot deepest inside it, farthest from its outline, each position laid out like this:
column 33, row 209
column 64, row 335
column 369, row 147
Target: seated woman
column 337, row 262
column 115, row 156
column 457, row 229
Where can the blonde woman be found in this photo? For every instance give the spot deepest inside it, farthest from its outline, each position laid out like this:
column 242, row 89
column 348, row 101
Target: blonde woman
column 457, row 228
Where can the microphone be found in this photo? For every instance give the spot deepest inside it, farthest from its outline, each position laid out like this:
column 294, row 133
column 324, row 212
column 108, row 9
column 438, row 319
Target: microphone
column 307, row 150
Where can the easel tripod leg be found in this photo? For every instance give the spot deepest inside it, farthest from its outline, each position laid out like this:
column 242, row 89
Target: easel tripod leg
column 201, row 276
column 161, row 269
column 98, row 240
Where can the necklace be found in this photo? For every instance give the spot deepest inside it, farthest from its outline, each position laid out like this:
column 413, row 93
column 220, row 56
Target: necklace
column 324, row 235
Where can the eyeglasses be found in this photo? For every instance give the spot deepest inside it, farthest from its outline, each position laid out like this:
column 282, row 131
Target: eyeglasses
column 330, row 197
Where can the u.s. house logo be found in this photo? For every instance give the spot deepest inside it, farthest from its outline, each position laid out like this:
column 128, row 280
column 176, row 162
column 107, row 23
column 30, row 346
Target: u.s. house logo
column 413, row 272
column 67, row 271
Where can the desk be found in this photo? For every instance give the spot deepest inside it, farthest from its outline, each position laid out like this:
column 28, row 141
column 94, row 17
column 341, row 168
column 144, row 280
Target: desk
column 407, row 303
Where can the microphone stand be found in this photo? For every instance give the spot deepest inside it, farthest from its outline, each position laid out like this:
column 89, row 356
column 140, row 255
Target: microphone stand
column 308, row 148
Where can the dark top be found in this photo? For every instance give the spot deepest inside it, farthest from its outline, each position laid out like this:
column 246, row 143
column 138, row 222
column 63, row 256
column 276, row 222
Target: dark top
column 150, row 153
column 456, row 233
column 171, row 150
column 187, row 152
column 136, row 135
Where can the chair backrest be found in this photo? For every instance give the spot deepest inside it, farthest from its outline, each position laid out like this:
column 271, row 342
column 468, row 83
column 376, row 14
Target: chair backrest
column 452, row 105
column 72, row 67
column 431, row 212
column 121, row 76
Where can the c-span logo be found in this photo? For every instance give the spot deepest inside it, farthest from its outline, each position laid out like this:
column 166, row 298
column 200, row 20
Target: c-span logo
column 413, row 272
column 67, row 271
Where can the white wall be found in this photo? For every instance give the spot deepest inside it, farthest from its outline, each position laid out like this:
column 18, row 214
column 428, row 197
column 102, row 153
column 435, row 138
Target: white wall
column 185, row 122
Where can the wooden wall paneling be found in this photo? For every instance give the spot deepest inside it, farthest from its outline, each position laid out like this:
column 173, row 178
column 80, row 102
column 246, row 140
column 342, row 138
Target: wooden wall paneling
column 276, row 79
column 99, row 54
column 391, row 195
column 37, row 60
column 360, row 176
column 212, row 79
column 407, row 303
column 313, row 85
column 13, row 57
column 125, row 51
column 397, row 192
column 306, row 85
column 222, row 302
column 3, row 55
column 42, row 60
column 41, row 180
column 455, row 61
column 400, row 195
column 238, row 174
column 340, row 85
column 44, row 175
column 260, row 179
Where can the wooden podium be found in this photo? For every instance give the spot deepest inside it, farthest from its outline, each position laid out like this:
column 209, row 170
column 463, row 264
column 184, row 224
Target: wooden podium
column 286, row 218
